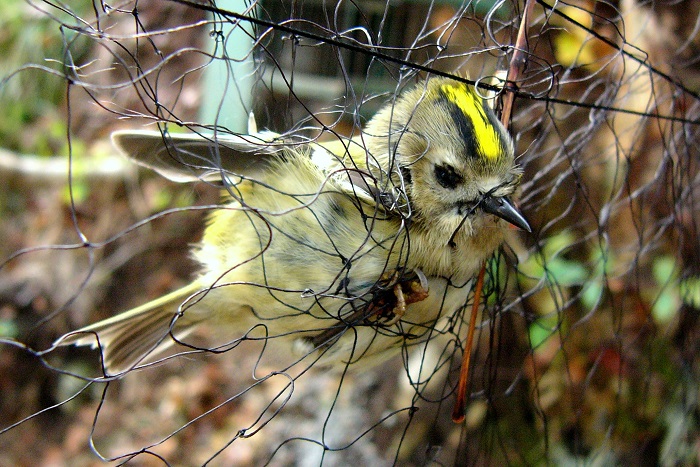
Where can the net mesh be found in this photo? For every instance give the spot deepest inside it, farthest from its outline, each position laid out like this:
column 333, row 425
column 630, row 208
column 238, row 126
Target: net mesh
column 585, row 348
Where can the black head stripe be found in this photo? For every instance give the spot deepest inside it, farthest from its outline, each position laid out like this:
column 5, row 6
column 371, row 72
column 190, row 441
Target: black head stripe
column 465, row 129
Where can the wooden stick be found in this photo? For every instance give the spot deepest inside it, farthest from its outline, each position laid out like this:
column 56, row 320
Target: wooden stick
column 515, row 69
column 517, row 64
column 460, row 407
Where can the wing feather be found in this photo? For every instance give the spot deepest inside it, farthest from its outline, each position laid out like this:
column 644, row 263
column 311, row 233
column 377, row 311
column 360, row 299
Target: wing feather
column 188, row 157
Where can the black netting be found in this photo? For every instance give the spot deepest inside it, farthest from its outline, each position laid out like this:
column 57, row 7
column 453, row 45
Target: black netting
column 585, row 346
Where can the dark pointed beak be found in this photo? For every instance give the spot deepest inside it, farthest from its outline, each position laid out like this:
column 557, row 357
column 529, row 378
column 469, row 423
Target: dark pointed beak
column 503, row 208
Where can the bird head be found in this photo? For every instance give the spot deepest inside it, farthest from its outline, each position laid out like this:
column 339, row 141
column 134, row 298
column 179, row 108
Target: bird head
column 441, row 145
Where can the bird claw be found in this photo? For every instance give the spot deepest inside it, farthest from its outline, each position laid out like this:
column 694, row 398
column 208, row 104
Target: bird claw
column 399, row 288
column 407, row 289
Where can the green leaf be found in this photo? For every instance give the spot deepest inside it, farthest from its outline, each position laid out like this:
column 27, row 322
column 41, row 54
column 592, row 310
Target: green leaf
column 663, row 269
column 666, row 306
column 591, row 294
column 541, row 330
column 8, row 329
column 565, row 272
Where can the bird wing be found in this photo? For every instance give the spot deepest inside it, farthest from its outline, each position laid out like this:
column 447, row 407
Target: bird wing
column 134, row 337
column 188, row 157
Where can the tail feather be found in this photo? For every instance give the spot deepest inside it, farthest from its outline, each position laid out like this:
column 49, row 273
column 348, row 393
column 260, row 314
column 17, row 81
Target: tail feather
column 131, row 337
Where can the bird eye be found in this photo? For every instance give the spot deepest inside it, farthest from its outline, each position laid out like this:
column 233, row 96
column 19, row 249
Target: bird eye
column 447, row 176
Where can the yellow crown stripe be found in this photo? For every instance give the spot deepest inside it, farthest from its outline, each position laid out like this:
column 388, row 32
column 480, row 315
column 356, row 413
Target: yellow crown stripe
column 487, row 136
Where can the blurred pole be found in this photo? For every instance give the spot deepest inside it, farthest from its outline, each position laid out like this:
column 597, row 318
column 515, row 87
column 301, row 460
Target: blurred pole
column 229, row 78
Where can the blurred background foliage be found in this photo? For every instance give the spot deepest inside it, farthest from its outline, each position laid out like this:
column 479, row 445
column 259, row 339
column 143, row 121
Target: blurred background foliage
column 33, row 94
column 588, row 348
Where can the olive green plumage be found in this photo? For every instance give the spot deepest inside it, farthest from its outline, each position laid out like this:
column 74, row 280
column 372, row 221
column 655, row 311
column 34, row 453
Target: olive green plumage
column 309, row 229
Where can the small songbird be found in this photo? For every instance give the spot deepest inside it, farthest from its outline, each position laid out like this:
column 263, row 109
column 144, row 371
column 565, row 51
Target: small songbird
column 343, row 251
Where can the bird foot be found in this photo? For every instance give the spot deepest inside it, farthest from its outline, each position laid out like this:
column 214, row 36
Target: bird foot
column 407, row 289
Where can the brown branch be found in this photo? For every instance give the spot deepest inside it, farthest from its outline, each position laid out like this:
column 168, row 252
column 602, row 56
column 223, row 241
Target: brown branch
column 517, row 64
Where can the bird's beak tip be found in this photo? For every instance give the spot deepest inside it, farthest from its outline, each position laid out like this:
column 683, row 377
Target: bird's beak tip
column 502, row 207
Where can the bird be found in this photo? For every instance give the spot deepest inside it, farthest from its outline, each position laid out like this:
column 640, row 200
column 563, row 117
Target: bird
column 342, row 251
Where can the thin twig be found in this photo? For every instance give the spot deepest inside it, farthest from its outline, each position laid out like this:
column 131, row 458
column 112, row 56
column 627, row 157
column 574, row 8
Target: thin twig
column 460, row 408
column 517, row 64
column 516, row 67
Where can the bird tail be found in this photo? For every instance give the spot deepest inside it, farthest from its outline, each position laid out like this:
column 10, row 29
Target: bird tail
column 129, row 338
